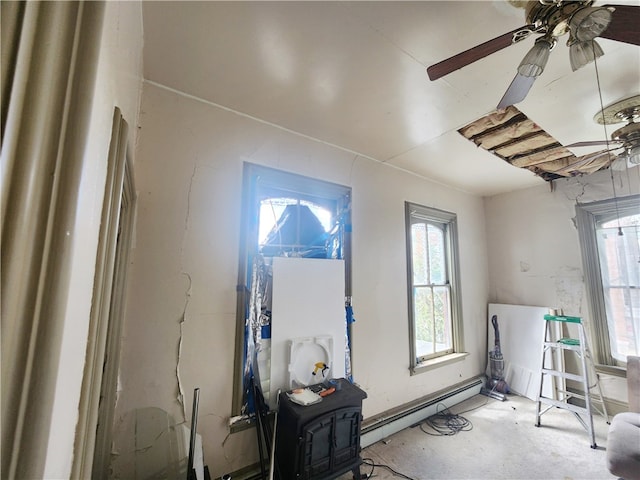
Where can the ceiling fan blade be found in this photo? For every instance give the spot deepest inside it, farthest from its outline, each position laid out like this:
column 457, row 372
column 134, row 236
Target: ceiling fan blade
column 594, row 143
column 586, row 163
column 517, row 91
column 624, row 24
column 476, row 53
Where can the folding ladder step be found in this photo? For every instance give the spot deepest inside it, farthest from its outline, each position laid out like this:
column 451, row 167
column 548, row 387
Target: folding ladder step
column 561, row 374
column 575, row 348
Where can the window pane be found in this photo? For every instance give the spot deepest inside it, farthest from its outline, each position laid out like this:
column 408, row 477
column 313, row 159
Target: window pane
column 291, row 226
column 419, row 252
column 619, row 256
column 423, row 317
column 623, row 312
column 271, row 209
column 442, row 318
column 436, row 255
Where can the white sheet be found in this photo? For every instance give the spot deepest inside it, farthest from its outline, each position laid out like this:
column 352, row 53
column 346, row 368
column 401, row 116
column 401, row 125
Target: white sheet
column 308, row 301
column 521, row 338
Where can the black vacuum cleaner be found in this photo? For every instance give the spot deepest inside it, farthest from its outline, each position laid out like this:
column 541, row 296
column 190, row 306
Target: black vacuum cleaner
column 496, row 386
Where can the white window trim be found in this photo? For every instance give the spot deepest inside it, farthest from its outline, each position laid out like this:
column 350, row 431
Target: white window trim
column 587, row 216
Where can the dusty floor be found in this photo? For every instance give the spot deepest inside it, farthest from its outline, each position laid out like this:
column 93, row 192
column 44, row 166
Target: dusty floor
column 501, row 442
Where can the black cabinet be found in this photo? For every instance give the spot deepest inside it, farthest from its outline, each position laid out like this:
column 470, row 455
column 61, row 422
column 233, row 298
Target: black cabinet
column 320, row 441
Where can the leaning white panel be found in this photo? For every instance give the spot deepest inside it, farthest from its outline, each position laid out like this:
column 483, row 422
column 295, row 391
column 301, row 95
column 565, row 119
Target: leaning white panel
column 307, row 302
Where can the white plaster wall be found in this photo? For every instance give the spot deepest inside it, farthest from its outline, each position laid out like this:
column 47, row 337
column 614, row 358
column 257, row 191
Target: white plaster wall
column 381, row 332
column 118, row 83
column 180, row 320
column 534, row 251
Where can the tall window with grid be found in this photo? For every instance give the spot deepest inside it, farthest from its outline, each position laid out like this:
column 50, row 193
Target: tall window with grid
column 433, row 287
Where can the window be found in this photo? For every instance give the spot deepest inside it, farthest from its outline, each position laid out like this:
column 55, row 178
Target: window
column 610, row 240
column 283, row 214
column 435, row 321
column 294, row 227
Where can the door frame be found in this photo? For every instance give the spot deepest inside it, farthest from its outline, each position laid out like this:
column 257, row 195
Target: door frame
column 99, row 384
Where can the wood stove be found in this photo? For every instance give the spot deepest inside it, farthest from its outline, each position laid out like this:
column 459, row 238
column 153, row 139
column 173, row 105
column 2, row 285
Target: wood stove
column 320, row 441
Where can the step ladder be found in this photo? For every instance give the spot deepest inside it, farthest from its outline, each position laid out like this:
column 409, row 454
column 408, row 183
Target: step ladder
column 553, row 369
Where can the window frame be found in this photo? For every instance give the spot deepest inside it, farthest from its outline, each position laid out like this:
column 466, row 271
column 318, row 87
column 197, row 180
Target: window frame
column 588, row 216
column 452, row 260
column 259, row 182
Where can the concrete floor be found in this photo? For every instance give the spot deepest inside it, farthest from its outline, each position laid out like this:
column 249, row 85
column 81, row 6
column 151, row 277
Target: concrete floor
column 503, row 443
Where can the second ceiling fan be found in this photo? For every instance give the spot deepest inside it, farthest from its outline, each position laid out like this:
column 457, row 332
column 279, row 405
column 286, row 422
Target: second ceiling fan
column 627, row 138
column 552, row 19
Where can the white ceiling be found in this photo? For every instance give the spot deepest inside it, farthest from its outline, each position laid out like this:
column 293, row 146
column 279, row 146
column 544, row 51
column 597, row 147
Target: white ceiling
column 353, row 74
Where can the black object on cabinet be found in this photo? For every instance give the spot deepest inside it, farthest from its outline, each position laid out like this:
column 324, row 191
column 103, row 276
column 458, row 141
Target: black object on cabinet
column 320, row 441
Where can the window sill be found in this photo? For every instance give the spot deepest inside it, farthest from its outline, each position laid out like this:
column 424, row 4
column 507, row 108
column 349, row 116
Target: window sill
column 434, row 363
column 240, row 423
column 245, row 422
column 611, row 370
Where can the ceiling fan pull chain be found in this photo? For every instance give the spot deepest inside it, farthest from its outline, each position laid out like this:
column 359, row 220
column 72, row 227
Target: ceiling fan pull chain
column 606, row 136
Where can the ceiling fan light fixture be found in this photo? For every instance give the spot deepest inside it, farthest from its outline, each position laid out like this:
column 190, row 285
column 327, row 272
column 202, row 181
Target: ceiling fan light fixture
column 582, row 53
column 619, row 164
column 533, row 63
column 627, row 160
column 589, row 22
column 634, row 155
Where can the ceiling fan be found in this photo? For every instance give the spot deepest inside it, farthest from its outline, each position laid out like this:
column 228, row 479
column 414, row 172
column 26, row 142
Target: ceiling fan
column 627, row 137
column 551, row 19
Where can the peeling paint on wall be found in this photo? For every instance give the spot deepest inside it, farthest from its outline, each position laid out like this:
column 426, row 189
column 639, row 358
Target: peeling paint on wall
column 196, row 322
column 180, row 396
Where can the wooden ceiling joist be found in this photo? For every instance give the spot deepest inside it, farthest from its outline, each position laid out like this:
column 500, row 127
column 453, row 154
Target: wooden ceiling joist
column 515, row 141
column 531, row 147
column 531, row 157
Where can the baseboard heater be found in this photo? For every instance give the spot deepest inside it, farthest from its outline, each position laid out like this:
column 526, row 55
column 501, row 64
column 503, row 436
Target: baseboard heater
column 387, row 423
column 392, row 421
